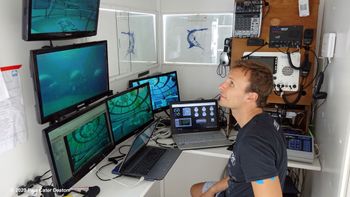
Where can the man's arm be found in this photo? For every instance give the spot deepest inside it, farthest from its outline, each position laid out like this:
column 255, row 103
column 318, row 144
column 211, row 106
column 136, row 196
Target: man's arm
column 217, row 187
column 270, row 187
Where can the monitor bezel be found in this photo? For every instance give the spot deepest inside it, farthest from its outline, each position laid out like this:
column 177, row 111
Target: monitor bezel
column 61, row 113
column 157, row 76
column 142, row 126
column 190, row 130
column 85, row 168
column 27, row 26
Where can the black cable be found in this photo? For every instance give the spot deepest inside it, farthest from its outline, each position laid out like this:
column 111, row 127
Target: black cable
column 267, row 5
column 217, row 96
column 296, row 100
column 119, row 149
column 45, row 173
column 291, row 63
column 221, row 70
column 102, row 179
column 324, row 70
column 255, row 50
column 167, row 113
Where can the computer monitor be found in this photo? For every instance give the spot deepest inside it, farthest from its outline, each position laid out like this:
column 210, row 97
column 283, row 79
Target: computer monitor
column 130, row 111
column 77, row 144
column 164, row 89
column 64, row 19
column 69, row 77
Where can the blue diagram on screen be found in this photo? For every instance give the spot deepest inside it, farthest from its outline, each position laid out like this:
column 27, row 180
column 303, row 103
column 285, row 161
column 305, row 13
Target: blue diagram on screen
column 191, row 38
column 52, row 16
column 164, row 89
column 130, row 111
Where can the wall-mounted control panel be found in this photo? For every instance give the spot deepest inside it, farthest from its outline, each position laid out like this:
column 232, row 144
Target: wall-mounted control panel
column 285, row 78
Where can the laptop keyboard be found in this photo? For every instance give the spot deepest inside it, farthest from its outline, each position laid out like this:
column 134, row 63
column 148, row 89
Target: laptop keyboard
column 150, row 158
column 198, row 138
column 205, row 144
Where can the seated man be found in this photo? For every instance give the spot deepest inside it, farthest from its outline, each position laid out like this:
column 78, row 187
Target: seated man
column 258, row 163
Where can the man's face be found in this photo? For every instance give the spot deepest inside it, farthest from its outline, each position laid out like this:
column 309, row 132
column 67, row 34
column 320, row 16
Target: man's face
column 233, row 89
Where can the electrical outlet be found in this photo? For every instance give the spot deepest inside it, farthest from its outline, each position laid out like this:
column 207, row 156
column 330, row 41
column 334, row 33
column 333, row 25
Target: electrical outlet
column 328, row 45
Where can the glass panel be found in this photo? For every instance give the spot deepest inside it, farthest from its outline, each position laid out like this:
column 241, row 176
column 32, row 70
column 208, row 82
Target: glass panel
column 125, row 40
column 142, row 47
column 131, row 36
column 195, row 39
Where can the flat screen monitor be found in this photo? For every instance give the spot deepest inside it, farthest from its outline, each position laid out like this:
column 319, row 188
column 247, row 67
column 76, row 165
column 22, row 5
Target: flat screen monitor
column 268, row 61
column 130, row 111
column 63, row 19
column 164, row 89
column 66, row 78
column 77, row 144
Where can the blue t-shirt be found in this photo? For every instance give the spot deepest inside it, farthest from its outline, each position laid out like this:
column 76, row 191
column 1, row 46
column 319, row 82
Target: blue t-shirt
column 259, row 153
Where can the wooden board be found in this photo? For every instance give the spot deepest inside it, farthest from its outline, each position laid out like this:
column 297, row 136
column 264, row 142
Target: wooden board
column 283, row 13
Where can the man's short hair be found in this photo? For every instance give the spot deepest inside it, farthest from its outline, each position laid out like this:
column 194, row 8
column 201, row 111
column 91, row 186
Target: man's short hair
column 260, row 78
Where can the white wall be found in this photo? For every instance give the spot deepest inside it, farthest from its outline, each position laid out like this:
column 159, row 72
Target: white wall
column 196, row 81
column 333, row 117
column 29, row 159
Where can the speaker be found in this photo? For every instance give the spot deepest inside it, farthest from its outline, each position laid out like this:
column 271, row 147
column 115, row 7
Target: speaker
column 225, row 56
column 317, row 91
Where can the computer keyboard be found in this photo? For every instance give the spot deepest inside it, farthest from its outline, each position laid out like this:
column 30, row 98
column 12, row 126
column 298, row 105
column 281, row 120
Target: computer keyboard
column 205, row 144
column 199, row 138
column 148, row 161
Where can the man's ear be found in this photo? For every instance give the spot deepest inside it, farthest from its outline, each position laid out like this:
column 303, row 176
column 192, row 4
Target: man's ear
column 252, row 97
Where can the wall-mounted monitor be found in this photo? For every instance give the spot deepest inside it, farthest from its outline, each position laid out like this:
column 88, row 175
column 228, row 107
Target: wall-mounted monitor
column 69, row 77
column 64, row 19
column 130, row 111
column 77, row 144
column 164, row 89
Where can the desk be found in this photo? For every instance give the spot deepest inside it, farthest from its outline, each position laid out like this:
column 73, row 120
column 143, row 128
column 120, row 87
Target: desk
column 192, row 166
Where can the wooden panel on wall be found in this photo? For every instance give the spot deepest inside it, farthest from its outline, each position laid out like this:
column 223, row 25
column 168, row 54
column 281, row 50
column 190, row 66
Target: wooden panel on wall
column 283, row 13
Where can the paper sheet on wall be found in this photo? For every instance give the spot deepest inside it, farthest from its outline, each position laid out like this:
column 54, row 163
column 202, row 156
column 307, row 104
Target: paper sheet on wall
column 3, row 90
column 12, row 121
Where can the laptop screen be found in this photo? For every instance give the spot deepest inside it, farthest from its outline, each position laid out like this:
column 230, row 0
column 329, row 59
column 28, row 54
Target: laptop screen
column 194, row 116
column 140, row 141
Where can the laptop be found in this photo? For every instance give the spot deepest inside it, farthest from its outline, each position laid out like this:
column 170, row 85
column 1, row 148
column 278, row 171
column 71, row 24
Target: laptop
column 195, row 124
column 151, row 162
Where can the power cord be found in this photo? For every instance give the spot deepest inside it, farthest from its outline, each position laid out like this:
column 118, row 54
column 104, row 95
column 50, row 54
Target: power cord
column 31, row 183
column 222, row 70
column 255, row 50
column 102, row 179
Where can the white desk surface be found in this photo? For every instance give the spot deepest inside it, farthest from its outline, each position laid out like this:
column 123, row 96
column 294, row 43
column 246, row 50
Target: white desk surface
column 127, row 186
column 224, row 153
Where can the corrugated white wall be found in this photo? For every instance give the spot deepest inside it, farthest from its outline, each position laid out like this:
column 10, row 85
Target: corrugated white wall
column 29, row 159
column 333, row 117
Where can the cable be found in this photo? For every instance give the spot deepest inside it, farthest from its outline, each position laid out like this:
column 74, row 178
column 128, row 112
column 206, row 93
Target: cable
column 266, row 4
column 221, row 70
column 102, row 179
column 119, row 149
column 165, row 145
column 247, row 56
